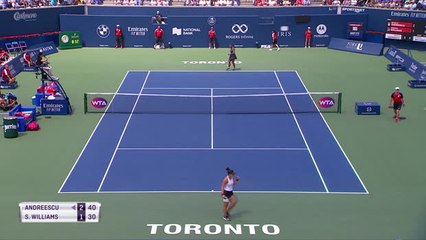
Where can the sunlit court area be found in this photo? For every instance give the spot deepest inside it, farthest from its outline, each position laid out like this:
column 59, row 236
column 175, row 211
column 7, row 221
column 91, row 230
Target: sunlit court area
column 212, row 120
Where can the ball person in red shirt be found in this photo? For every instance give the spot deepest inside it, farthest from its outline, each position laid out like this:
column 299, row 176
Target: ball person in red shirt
column 118, row 37
column 308, row 36
column 158, row 33
column 212, row 38
column 275, row 40
column 398, row 100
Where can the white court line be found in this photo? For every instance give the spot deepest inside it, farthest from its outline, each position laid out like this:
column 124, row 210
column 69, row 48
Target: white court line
column 217, row 88
column 216, row 191
column 122, row 134
column 211, row 119
column 301, row 132
column 210, row 148
column 91, row 135
column 335, row 139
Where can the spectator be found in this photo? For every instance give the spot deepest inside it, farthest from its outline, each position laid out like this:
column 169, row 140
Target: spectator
column 158, row 33
column 8, row 101
column 4, row 4
column 6, row 75
column 4, row 56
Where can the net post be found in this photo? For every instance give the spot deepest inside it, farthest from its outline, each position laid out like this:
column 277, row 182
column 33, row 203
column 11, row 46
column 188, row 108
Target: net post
column 339, row 109
column 85, row 103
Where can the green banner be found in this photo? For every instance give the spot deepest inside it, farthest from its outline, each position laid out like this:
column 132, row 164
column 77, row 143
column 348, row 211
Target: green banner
column 68, row 40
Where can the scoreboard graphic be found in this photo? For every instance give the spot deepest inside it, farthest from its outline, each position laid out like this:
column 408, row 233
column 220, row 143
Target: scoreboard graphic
column 45, row 212
column 406, row 30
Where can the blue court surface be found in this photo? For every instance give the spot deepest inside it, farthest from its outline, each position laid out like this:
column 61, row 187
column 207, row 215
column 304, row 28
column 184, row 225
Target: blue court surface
column 178, row 131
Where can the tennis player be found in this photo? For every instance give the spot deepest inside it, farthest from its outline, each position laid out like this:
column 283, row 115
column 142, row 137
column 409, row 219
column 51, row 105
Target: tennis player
column 308, row 37
column 232, row 57
column 397, row 98
column 229, row 199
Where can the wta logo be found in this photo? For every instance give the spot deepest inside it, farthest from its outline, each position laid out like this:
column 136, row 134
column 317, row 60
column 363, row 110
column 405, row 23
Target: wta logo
column 99, row 102
column 326, row 102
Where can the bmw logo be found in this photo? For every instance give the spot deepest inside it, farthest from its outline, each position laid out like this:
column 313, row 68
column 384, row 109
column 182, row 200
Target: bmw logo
column 103, row 31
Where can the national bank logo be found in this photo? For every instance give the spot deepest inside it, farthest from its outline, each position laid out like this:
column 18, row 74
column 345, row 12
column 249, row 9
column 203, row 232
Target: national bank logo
column 177, row 31
column 326, row 102
column 103, row 31
column 99, row 102
column 186, row 31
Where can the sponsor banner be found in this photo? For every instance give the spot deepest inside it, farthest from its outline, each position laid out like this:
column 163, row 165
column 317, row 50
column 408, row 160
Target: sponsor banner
column 414, row 68
column 241, row 31
column 47, row 48
column 323, row 27
column 34, row 20
column 356, row 46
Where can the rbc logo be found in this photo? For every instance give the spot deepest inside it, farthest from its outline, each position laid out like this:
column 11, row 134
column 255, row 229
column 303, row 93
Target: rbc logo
column 211, row 20
column 99, row 102
column 103, row 31
column 326, row 102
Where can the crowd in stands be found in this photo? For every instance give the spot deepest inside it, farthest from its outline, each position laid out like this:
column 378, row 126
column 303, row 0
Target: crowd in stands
column 282, row 2
column 221, row 3
column 13, row 4
column 143, row 2
column 393, row 4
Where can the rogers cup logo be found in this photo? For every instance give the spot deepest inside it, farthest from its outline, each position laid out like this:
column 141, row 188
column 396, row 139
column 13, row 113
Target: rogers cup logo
column 103, row 31
column 243, row 28
column 99, row 102
column 326, row 102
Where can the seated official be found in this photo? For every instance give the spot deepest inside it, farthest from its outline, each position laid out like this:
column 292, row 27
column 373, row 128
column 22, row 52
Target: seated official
column 43, row 63
column 6, row 75
column 158, row 18
column 8, row 101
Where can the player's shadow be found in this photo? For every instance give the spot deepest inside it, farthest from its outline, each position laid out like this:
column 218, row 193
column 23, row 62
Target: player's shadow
column 238, row 214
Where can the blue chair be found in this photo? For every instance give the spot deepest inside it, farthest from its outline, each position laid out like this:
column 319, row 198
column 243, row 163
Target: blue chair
column 23, row 45
column 9, row 47
column 17, row 48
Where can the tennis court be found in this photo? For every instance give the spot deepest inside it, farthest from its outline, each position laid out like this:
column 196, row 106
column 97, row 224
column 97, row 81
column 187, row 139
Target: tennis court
column 177, row 132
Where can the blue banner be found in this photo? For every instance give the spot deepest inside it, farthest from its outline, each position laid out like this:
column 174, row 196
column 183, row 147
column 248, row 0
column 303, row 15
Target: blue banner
column 412, row 67
column 47, row 48
column 242, row 31
column 356, row 46
column 33, row 20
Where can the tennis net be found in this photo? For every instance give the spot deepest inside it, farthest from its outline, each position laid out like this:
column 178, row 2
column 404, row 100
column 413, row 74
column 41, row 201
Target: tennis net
column 268, row 103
